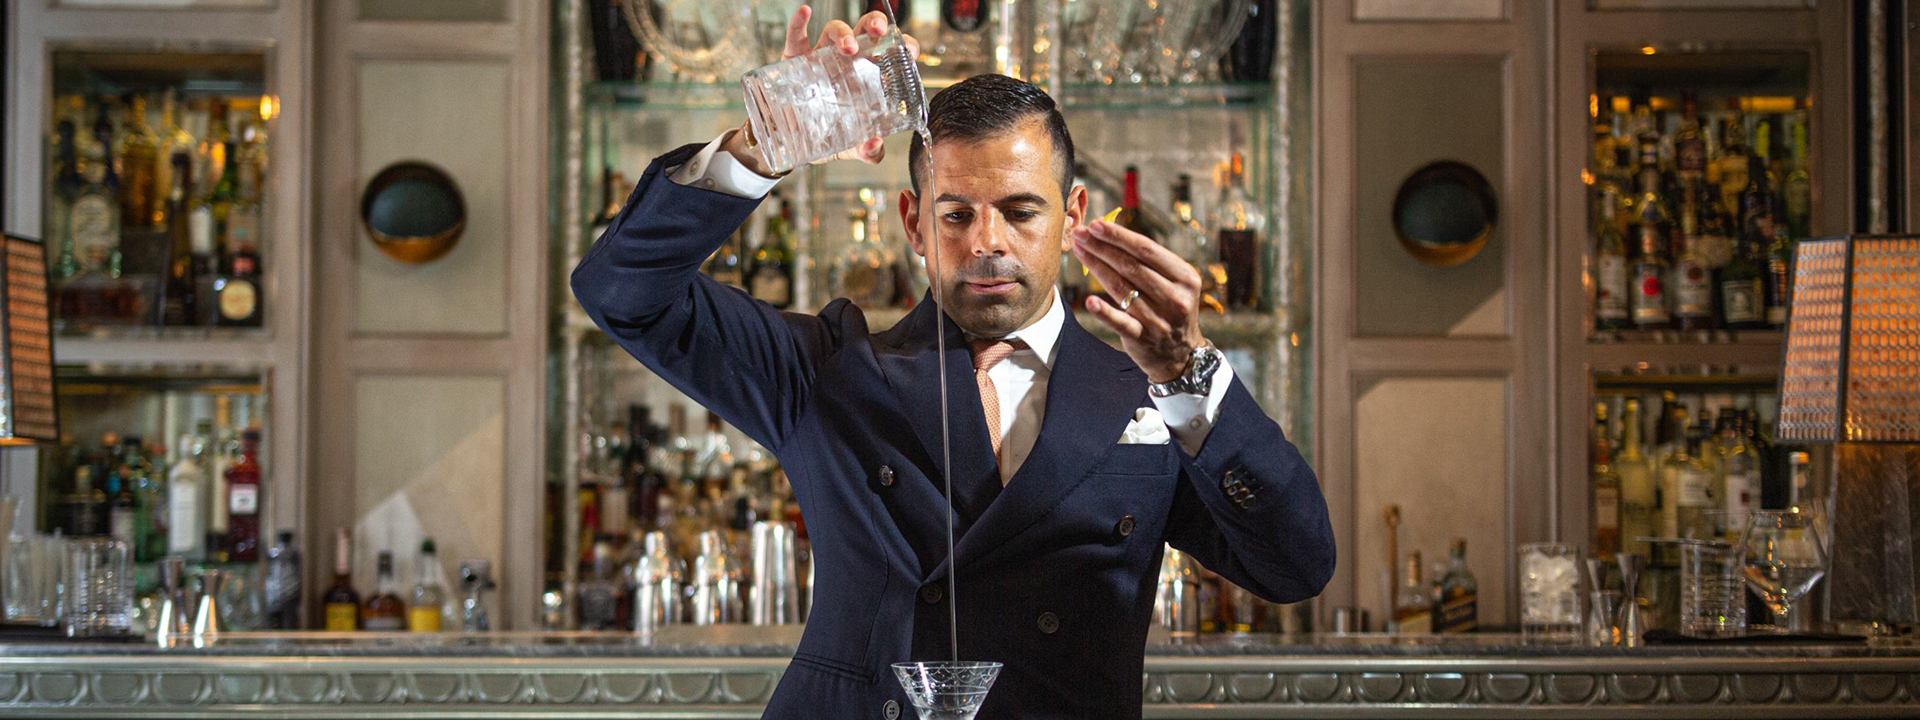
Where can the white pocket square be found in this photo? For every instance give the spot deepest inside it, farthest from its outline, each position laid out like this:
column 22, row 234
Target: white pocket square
column 1146, row 428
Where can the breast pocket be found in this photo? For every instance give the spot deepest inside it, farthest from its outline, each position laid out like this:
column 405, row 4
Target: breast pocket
column 1133, row 459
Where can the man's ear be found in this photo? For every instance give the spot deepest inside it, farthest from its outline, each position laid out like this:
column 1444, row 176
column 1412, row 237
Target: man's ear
column 910, row 220
column 1076, row 216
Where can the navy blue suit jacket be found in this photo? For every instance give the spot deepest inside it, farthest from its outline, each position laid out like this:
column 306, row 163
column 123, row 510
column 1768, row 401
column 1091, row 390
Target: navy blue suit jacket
column 1051, row 581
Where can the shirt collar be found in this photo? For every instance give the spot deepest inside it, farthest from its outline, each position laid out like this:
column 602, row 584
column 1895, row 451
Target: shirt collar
column 1042, row 336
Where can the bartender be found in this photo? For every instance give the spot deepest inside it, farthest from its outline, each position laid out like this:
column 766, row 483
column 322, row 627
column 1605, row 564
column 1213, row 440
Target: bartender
column 1072, row 462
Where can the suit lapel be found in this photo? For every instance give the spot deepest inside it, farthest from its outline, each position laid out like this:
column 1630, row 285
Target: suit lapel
column 910, row 361
column 1091, row 396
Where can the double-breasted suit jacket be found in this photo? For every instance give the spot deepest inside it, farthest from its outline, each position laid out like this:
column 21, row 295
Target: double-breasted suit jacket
column 1055, row 572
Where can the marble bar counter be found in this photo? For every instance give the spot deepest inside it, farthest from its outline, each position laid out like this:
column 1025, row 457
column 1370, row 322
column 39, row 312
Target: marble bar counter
column 729, row 672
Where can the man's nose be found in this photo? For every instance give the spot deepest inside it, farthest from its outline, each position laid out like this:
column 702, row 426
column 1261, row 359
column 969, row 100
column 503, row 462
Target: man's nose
column 989, row 236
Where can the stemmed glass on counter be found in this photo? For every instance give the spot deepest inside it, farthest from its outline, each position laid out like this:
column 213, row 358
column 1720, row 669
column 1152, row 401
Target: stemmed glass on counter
column 1786, row 554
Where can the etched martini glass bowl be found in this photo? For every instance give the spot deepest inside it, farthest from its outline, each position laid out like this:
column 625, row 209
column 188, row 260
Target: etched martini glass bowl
column 947, row 690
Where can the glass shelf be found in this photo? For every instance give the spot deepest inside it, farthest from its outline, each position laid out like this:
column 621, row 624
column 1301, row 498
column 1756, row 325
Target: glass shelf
column 726, row 96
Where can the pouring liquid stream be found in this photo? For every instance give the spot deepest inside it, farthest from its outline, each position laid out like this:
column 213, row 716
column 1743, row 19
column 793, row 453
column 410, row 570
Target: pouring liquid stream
column 946, row 434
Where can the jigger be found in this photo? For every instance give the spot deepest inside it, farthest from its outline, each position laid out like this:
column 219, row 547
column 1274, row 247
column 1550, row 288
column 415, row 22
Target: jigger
column 716, row 582
column 172, row 623
column 776, row 583
column 656, row 585
column 1632, row 625
column 206, row 620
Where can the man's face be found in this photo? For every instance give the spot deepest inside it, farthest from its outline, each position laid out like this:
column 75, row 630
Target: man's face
column 1002, row 226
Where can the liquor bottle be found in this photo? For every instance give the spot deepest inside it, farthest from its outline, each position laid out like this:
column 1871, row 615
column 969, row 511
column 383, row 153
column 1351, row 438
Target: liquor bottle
column 1800, row 477
column 1797, row 187
column 186, row 515
column 1651, row 223
column 243, row 501
column 94, row 217
column 181, row 301
column 282, row 585
column 1238, row 225
column 1189, row 239
column 602, row 593
column 617, row 55
column 1742, row 286
column 1687, row 485
column 1250, row 57
column 1458, row 611
column 384, row 610
column 172, row 139
column 1693, row 282
column 139, row 159
column 149, row 501
column 236, row 300
column 1732, row 163
column 724, row 265
column 341, row 604
column 1757, row 200
column 225, row 190
column 428, row 603
column 1739, row 471
column 859, row 273
column 1606, row 489
column 241, row 234
column 1638, row 497
column 1610, row 291
column 1689, row 143
column 773, row 263
column 123, row 512
column 87, row 505
column 63, row 192
column 223, row 452
column 638, row 468
column 964, row 16
column 1413, row 614
column 1130, row 216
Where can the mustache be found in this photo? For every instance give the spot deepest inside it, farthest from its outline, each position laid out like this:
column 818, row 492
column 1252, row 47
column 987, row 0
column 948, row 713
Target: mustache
column 990, row 267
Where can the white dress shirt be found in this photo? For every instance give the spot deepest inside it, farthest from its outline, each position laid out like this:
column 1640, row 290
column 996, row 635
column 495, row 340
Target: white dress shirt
column 1021, row 379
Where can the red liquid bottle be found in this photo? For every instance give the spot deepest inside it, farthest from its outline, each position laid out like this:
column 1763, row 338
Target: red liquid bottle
column 243, row 501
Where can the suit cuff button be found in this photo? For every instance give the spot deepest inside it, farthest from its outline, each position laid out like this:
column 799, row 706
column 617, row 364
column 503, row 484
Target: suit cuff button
column 1049, row 623
column 1124, row 527
column 886, row 476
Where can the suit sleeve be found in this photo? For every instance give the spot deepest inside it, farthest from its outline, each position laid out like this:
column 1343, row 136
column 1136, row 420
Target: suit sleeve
column 1250, row 509
column 641, row 283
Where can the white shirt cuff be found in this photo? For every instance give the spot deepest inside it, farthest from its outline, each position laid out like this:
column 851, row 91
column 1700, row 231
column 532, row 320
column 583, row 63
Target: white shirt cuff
column 1190, row 418
column 717, row 170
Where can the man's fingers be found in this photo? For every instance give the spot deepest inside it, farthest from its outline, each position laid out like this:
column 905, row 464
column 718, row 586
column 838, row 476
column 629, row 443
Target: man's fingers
column 797, row 32
column 838, row 35
column 873, row 24
column 873, row 151
column 1145, row 250
column 1126, row 325
column 1115, row 283
column 1166, row 295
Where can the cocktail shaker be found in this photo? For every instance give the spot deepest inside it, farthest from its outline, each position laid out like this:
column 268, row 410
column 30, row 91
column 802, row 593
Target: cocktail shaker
column 1176, row 596
column 716, row 582
column 656, row 585
column 776, row 584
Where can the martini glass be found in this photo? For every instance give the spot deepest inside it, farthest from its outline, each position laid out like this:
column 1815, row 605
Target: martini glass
column 947, row 690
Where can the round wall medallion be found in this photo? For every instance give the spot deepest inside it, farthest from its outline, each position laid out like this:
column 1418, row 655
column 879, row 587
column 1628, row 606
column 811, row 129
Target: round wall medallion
column 413, row 212
column 1444, row 213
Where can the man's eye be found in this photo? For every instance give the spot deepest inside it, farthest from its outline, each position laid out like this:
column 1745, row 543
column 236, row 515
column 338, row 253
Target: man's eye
column 1021, row 215
column 957, row 216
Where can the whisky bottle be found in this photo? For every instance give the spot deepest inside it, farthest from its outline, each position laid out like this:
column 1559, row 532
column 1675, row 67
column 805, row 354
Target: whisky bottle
column 1742, row 286
column 1413, row 611
column 1652, row 222
column 341, row 604
column 94, row 217
column 1459, row 605
column 139, row 159
column 772, row 281
column 1689, row 143
column 384, row 611
column 236, row 299
column 1238, row 225
column 427, row 605
column 243, row 501
column 1606, row 489
column 1638, row 489
column 1610, row 292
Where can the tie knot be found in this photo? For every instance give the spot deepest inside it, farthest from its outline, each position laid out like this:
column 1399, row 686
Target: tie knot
column 988, row 353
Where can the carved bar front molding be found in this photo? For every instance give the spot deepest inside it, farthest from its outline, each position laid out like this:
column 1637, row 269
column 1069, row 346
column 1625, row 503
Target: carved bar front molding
column 160, row 685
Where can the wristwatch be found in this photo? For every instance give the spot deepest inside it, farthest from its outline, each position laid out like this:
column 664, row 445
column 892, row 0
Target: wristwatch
column 1197, row 380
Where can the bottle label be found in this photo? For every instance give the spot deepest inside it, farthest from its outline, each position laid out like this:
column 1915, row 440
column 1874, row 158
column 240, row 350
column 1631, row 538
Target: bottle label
column 1743, row 496
column 1650, row 300
column 1606, row 508
column 1695, row 488
column 1693, row 290
column 243, row 499
column 1610, row 294
column 1457, row 615
column 423, row 619
column 92, row 224
column 343, row 617
column 120, row 524
column 238, row 299
column 1740, row 300
column 387, row 622
column 183, row 525
column 1417, row 621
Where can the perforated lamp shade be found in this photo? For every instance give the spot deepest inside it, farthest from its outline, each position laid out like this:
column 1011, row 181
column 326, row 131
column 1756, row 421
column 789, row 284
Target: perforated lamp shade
column 1852, row 368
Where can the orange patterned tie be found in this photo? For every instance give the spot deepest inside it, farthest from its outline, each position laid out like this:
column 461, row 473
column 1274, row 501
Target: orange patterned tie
column 986, row 354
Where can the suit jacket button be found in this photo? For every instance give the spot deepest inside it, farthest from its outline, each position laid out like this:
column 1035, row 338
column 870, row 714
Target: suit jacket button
column 886, row 476
column 891, row 710
column 1124, row 527
column 932, row 594
column 1049, row 623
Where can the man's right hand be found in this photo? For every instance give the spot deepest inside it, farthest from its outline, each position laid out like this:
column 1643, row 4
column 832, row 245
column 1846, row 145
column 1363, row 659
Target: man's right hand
column 843, row 38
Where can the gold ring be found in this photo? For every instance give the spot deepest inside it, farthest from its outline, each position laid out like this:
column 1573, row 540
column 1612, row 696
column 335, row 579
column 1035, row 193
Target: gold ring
column 1127, row 301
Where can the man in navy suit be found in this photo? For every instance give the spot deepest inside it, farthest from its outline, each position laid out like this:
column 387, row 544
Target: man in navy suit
column 1072, row 462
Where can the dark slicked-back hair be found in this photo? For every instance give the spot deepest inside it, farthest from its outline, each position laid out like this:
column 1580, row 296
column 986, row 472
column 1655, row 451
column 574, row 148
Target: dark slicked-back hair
column 985, row 106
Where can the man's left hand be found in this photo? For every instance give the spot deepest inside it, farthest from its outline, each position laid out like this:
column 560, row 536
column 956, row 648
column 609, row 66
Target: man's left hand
column 1160, row 327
